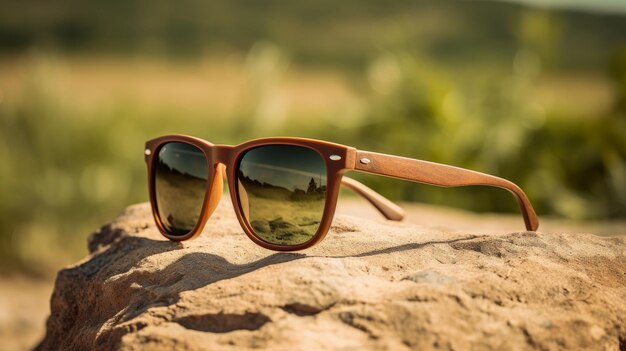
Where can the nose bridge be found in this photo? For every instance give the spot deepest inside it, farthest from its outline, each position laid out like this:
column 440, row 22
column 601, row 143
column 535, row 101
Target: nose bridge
column 221, row 153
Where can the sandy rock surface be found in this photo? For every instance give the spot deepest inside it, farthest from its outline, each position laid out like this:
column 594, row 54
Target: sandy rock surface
column 370, row 284
column 23, row 311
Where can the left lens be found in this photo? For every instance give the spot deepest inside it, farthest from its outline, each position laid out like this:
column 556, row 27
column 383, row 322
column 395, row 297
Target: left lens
column 180, row 185
column 282, row 192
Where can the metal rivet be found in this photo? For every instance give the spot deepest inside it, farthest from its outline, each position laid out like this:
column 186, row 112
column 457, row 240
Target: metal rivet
column 147, row 152
column 365, row 160
column 335, row 157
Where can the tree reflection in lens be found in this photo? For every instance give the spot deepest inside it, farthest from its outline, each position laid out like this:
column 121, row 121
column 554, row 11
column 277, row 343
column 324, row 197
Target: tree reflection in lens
column 282, row 192
column 180, row 186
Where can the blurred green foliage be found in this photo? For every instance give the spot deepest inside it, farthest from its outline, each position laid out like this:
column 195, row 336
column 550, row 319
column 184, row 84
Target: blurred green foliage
column 450, row 82
column 571, row 167
column 315, row 32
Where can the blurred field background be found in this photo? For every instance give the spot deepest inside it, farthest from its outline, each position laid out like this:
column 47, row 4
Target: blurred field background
column 533, row 94
column 530, row 92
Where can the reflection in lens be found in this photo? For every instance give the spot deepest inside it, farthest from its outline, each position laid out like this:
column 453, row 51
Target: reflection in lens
column 282, row 192
column 180, row 186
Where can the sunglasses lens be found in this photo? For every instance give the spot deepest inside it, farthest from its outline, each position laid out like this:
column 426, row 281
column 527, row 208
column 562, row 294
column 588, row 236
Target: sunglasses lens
column 282, row 192
column 180, row 182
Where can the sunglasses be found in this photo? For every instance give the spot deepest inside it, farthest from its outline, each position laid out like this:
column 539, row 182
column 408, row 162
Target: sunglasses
column 284, row 190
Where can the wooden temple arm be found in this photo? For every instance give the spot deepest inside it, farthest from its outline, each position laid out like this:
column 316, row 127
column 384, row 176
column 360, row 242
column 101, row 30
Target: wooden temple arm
column 388, row 209
column 441, row 175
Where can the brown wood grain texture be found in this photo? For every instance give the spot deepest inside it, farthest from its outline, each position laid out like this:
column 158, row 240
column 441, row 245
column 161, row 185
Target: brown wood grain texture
column 441, row 175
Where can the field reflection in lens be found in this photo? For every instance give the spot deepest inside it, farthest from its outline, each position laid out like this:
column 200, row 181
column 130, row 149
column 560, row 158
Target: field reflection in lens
column 282, row 192
column 180, row 182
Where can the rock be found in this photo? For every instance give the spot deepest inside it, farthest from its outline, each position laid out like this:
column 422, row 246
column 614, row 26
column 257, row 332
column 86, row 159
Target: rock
column 369, row 285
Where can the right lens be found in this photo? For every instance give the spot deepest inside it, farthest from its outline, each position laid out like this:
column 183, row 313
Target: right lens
column 180, row 185
column 282, row 192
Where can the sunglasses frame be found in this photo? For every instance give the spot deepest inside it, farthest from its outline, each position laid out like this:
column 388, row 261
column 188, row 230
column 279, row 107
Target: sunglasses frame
column 338, row 160
column 225, row 155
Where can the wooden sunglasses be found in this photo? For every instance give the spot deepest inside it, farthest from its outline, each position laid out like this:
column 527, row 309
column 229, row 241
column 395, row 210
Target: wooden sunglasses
column 284, row 190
